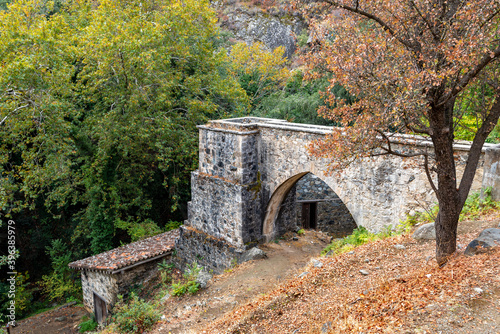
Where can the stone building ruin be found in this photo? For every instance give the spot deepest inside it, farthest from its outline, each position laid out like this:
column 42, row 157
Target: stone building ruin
column 109, row 274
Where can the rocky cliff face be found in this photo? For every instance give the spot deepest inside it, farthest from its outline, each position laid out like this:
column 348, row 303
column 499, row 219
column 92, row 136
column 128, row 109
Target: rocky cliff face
column 273, row 28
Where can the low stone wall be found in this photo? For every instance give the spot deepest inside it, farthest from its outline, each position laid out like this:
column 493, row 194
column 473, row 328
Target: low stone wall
column 212, row 253
column 491, row 171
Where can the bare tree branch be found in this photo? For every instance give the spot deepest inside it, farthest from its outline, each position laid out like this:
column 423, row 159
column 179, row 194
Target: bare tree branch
column 485, row 60
column 13, row 111
column 383, row 24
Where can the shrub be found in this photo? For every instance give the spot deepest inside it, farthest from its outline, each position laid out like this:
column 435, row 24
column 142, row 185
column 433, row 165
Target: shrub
column 165, row 271
column 136, row 316
column 190, row 285
column 88, row 325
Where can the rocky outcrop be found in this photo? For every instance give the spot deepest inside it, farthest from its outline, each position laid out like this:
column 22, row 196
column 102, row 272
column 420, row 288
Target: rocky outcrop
column 273, row 30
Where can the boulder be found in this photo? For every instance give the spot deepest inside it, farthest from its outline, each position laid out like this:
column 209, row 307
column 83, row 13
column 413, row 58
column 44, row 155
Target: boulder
column 425, row 232
column 252, row 254
column 203, row 278
column 317, row 264
column 486, row 239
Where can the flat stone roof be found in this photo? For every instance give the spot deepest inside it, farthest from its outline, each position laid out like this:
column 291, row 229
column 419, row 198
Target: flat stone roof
column 130, row 254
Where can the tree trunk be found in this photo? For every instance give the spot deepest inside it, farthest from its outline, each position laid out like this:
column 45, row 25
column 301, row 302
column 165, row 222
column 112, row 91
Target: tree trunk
column 447, row 192
column 451, row 200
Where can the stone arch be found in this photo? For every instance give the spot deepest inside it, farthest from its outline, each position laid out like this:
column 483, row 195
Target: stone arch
column 248, row 165
column 275, row 204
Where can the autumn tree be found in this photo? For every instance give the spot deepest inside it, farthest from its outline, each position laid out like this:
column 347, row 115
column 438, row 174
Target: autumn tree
column 415, row 67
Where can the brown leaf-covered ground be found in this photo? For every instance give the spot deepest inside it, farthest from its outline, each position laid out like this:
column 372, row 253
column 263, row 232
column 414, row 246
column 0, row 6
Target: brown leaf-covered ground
column 404, row 292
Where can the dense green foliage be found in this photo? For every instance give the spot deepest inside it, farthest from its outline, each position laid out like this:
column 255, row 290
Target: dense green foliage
column 98, row 112
column 299, row 101
column 62, row 283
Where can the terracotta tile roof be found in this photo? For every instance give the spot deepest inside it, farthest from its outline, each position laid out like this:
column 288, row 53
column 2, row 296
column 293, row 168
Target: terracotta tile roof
column 129, row 254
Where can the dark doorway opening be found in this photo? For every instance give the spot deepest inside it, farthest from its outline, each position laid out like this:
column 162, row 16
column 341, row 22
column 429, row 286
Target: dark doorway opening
column 100, row 309
column 309, row 215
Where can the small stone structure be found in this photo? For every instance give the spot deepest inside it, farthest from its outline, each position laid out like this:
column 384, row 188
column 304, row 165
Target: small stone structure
column 106, row 275
column 244, row 190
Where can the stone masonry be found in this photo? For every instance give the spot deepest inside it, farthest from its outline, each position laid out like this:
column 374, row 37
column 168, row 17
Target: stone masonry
column 332, row 214
column 248, row 168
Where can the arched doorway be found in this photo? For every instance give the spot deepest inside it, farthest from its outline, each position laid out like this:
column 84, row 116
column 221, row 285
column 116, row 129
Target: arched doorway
column 306, row 201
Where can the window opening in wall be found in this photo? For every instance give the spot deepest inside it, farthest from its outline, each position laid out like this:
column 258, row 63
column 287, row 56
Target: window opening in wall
column 100, row 309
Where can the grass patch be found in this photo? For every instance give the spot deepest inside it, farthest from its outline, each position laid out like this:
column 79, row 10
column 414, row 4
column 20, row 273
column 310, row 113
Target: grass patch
column 362, row 236
column 88, row 325
column 474, row 207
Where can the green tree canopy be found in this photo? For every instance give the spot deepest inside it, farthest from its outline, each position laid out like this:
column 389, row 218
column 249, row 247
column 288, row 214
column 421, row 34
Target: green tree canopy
column 99, row 104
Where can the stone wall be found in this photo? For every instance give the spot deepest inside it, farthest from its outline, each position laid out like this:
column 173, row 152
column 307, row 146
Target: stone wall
column 492, row 171
column 103, row 284
column 209, row 252
column 226, row 199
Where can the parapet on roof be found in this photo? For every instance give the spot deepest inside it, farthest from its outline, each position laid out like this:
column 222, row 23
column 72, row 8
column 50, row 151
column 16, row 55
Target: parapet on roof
column 133, row 254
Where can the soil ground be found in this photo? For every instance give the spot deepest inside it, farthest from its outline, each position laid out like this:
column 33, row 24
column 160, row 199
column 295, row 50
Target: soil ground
column 68, row 319
column 404, row 292
column 237, row 286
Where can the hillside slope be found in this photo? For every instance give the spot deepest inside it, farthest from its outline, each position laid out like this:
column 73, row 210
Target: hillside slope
column 404, row 292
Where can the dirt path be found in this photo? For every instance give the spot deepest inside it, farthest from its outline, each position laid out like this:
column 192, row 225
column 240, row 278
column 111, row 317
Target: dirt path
column 287, row 258
column 63, row 320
